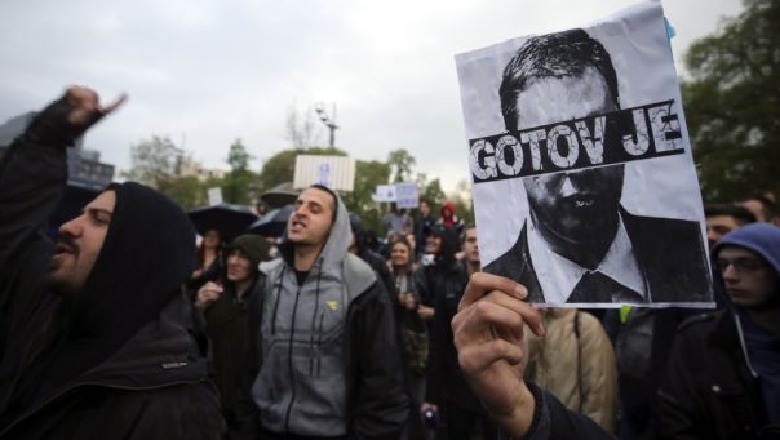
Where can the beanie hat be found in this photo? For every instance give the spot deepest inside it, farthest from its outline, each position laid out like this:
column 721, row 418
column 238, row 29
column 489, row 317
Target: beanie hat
column 254, row 246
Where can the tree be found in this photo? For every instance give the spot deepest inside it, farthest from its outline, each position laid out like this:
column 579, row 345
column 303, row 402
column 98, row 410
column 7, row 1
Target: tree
column 154, row 160
column 237, row 183
column 280, row 167
column 368, row 175
column 401, row 163
column 301, row 127
column 187, row 191
column 732, row 103
column 238, row 157
column 432, row 192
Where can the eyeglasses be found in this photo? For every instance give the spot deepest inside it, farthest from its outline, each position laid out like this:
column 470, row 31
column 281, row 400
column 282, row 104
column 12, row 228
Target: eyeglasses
column 743, row 264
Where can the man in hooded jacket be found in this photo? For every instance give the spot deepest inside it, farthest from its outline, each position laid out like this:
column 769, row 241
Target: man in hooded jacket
column 723, row 376
column 327, row 363
column 94, row 339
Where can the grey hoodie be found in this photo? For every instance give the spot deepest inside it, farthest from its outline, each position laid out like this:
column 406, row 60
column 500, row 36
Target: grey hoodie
column 302, row 386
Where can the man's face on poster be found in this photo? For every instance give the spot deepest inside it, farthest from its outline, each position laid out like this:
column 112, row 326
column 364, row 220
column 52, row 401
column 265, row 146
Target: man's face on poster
column 575, row 206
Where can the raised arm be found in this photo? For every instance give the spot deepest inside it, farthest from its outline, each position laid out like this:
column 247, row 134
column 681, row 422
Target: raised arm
column 488, row 333
column 33, row 172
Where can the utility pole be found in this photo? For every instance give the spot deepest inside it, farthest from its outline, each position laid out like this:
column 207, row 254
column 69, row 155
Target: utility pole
column 328, row 121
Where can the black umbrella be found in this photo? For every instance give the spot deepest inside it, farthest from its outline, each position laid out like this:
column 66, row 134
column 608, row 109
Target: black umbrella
column 273, row 223
column 230, row 220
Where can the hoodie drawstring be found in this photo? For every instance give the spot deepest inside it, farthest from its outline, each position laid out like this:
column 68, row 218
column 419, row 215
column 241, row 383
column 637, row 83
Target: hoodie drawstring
column 276, row 303
column 314, row 319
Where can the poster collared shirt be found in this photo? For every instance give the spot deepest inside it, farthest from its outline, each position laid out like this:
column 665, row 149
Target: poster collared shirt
column 558, row 275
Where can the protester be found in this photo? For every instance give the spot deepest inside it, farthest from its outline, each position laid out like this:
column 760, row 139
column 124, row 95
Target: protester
column 575, row 362
column 394, row 220
column 94, row 336
column 224, row 305
column 723, row 380
column 327, row 360
column 447, row 388
column 488, row 335
column 722, row 219
column 449, row 218
column 208, row 252
column 423, row 224
column 409, row 290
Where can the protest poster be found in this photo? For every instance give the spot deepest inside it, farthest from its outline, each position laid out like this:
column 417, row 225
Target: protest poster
column 406, row 195
column 584, row 184
column 384, row 194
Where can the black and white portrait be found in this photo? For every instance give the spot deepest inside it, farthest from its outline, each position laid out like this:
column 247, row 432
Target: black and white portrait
column 586, row 193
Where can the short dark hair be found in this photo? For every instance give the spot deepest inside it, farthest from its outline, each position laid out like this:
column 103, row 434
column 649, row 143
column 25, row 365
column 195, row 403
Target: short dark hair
column 335, row 199
column 567, row 53
column 739, row 213
column 767, row 205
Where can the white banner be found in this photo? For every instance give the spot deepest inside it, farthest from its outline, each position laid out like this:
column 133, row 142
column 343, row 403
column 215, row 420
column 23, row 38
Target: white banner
column 334, row 172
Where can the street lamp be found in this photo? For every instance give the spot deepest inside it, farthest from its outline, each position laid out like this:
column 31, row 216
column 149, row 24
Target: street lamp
column 330, row 123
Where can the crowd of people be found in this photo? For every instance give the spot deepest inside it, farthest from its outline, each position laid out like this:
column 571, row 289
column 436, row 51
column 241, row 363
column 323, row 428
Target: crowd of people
column 119, row 328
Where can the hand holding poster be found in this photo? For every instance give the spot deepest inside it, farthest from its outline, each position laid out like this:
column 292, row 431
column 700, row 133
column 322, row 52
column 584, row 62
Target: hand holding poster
column 584, row 185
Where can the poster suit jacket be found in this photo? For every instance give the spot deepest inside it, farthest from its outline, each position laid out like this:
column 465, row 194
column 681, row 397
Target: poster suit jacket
column 670, row 254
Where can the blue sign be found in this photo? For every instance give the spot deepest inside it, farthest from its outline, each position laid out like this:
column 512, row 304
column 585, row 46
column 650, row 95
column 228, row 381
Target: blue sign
column 324, row 173
column 406, row 195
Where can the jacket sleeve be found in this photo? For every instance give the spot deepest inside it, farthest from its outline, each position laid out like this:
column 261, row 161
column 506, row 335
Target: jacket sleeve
column 676, row 402
column 441, row 340
column 33, row 174
column 380, row 404
column 553, row 421
column 599, row 373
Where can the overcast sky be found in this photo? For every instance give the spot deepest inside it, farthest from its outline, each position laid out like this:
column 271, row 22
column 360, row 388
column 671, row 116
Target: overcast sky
column 205, row 72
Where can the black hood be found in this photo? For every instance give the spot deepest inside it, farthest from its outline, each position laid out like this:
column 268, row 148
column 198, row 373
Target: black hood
column 147, row 255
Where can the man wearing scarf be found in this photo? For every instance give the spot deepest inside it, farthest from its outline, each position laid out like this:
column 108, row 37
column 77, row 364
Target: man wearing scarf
column 94, row 340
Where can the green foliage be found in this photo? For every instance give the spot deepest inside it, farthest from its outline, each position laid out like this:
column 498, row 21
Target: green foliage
column 188, row 192
column 237, row 184
column 732, row 103
column 432, row 192
column 238, row 157
column 368, row 175
column 401, row 163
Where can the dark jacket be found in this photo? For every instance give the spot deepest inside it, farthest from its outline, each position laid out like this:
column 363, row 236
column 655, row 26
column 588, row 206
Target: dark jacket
column 326, row 359
column 446, row 382
column 227, row 326
column 670, row 253
column 721, row 381
column 708, row 391
column 413, row 337
column 154, row 387
column 553, row 421
column 80, row 369
column 423, row 226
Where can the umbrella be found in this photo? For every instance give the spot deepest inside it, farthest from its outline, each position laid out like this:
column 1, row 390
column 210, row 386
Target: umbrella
column 279, row 196
column 273, row 223
column 230, row 220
